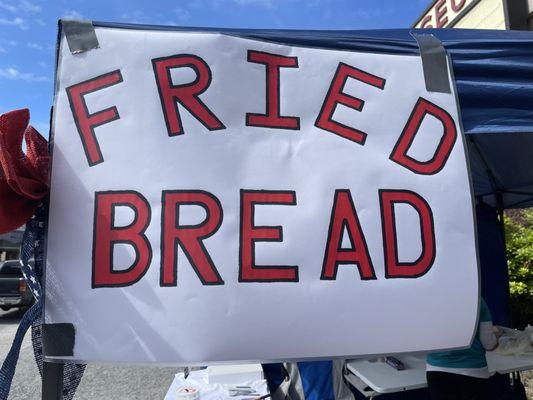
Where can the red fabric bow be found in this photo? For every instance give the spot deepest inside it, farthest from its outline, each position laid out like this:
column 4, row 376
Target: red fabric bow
column 23, row 177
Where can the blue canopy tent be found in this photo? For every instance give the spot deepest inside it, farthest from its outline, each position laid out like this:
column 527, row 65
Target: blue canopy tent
column 494, row 78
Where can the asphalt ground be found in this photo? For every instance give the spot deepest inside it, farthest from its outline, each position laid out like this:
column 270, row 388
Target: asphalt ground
column 115, row 382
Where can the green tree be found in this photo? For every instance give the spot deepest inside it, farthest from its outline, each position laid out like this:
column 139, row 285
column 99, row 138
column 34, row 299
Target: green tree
column 519, row 242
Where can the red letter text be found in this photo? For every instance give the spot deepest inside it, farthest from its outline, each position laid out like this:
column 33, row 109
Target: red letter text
column 189, row 237
column 399, row 155
column 343, row 215
column 86, row 122
column 393, row 267
column 457, row 7
column 106, row 235
column 337, row 96
column 440, row 13
column 250, row 234
column 272, row 118
column 187, row 94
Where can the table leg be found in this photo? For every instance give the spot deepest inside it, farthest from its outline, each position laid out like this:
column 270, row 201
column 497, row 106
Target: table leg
column 52, row 381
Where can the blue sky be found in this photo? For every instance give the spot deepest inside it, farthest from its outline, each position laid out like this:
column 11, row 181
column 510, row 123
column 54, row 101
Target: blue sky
column 28, row 31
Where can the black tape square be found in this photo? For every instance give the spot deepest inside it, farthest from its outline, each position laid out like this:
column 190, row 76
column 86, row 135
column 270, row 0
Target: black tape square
column 58, row 339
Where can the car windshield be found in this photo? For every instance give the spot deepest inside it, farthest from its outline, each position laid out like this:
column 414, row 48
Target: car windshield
column 10, row 269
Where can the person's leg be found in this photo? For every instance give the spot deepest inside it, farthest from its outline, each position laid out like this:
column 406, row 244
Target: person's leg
column 473, row 388
column 442, row 385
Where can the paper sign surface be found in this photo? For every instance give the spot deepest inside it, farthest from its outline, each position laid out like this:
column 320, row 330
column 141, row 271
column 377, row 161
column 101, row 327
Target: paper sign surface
column 216, row 198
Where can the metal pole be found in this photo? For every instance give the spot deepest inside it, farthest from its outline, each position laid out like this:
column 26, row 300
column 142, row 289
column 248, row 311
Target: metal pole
column 52, row 381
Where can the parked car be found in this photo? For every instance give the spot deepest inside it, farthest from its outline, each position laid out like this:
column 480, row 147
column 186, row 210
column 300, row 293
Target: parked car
column 13, row 289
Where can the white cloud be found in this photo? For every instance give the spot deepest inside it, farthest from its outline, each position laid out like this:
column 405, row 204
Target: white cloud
column 35, row 46
column 135, row 17
column 72, row 14
column 40, row 22
column 24, row 6
column 372, row 13
column 29, row 7
column 7, row 7
column 40, row 47
column 204, row 4
column 141, row 17
column 17, row 21
column 8, row 42
column 5, row 44
column 182, row 14
column 14, row 74
column 262, row 3
column 196, row 4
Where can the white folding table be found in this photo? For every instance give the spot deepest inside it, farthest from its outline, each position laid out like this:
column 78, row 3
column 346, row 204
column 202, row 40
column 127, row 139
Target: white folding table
column 217, row 382
column 377, row 377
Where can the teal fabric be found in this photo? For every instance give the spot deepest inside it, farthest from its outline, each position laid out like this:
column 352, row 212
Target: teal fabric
column 473, row 357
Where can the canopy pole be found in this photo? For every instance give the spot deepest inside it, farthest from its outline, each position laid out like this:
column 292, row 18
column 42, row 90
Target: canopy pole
column 500, row 207
column 497, row 192
column 491, row 176
column 52, row 381
column 499, row 203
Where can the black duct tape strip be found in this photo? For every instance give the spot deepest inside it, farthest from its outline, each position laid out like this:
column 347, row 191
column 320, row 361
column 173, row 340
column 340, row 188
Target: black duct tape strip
column 80, row 35
column 434, row 63
column 58, row 340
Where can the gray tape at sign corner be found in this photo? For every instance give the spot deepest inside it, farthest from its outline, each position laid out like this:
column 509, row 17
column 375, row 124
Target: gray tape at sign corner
column 80, row 35
column 58, row 339
column 434, row 62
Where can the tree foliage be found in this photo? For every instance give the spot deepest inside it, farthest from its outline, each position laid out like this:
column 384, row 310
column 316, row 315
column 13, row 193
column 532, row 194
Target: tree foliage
column 519, row 243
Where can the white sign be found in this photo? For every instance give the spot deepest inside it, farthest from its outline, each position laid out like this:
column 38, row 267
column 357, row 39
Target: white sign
column 216, row 198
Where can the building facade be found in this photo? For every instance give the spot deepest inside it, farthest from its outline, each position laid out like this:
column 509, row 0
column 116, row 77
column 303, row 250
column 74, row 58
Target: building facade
column 478, row 14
